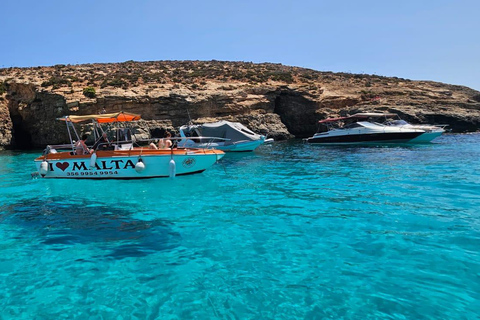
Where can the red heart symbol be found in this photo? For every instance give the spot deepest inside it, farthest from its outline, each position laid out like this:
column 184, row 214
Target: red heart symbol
column 62, row 165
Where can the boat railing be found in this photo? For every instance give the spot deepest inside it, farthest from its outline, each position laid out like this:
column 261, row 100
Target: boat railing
column 54, row 148
column 202, row 139
column 183, row 142
column 128, row 144
column 184, row 138
column 60, row 146
column 110, row 145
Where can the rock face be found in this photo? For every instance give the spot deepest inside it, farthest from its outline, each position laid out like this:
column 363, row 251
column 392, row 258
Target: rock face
column 279, row 101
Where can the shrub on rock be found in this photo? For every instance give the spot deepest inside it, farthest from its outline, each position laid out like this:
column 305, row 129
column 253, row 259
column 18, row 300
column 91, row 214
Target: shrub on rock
column 89, row 92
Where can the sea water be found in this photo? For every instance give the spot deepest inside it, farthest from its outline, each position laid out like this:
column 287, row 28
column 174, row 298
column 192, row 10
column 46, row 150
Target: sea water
column 291, row 231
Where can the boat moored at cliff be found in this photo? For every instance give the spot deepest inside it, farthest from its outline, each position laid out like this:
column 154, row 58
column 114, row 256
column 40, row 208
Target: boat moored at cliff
column 222, row 135
column 357, row 129
column 431, row 131
column 119, row 157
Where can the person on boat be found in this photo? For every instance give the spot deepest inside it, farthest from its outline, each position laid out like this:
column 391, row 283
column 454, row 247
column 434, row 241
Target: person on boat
column 163, row 143
column 152, row 146
column 81, row 146
column 102, row 142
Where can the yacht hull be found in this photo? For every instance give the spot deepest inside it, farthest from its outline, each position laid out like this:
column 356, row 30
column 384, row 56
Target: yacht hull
column 427, row 137
column 384, row 137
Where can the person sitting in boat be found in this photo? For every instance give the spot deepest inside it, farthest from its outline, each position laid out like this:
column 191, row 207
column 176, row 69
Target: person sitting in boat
column 81, row 146
column 163, row 143
column 102, row 142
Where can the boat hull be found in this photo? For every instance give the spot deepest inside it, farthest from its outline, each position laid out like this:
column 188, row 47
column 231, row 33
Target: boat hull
column 381, row 137
column 427, row 137
column 123, row 164
column 431, row 131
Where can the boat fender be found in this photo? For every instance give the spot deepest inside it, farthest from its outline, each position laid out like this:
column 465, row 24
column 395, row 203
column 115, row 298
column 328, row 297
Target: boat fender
column 43, row 168
column 139, row 166
column 93, row 160
column 172, row 168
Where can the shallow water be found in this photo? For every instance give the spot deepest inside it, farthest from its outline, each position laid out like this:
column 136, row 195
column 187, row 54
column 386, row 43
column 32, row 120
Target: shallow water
column 292, row 231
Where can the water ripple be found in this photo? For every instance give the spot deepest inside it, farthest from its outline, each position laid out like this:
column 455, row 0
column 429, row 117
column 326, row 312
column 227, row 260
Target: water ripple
column 292, row 231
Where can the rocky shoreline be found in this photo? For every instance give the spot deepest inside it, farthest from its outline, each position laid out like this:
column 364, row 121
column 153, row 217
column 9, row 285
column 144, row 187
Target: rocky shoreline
column 278, row 101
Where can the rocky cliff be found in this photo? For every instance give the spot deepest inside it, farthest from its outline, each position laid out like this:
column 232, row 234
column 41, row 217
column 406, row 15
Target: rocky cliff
column 279, row 101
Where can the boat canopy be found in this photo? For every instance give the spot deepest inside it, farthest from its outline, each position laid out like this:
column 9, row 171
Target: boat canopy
column 360, row 116
column 233, row 131
column 333, row 119
column 103, row 118
column 374, row 115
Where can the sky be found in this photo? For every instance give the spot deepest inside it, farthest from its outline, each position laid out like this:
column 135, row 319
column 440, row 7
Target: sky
column 434, row 40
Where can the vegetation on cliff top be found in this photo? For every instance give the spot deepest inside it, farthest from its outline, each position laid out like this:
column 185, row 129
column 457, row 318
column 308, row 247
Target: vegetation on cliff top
column 144, row 77
column 130, row 74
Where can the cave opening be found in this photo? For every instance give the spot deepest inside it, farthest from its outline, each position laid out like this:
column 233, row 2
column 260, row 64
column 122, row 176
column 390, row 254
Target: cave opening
column 22, row 137
column 297, row 113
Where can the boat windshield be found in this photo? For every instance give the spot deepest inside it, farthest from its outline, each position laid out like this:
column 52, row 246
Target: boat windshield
column 397, row 122
column 352, row 125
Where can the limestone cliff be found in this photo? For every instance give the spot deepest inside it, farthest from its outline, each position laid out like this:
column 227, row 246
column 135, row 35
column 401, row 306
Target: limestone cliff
column 272, row 99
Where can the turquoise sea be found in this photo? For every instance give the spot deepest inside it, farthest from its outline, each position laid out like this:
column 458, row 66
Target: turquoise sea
column 291, row 231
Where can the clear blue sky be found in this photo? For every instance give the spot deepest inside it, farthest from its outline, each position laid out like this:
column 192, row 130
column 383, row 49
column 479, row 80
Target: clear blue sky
column 417, row 39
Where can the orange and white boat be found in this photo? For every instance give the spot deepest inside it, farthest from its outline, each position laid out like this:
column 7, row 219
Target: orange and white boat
column 119, row 157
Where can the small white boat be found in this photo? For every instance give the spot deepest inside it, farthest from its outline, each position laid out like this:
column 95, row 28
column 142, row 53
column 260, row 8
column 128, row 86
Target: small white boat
column 120, row 158
column 357, row 129
column 222, row 135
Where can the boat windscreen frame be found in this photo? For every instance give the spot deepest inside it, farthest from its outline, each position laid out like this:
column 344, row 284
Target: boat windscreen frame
column 72, row 143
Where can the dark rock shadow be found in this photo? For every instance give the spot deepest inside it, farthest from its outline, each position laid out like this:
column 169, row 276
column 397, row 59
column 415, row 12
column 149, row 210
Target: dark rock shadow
column 60, row 224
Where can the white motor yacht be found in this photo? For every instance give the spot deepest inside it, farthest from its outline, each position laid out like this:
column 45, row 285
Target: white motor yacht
column 394, row 120
column 357, row 129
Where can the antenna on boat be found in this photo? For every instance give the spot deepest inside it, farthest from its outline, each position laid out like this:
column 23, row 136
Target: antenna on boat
column 189, row 118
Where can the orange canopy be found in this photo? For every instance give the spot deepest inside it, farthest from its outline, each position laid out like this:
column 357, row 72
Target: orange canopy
column 103, row 118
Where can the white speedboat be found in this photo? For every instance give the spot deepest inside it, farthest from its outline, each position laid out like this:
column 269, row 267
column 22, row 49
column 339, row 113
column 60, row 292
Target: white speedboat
column 393, row 119
column 357, row 129
column 119, row 158
column 222, row 135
